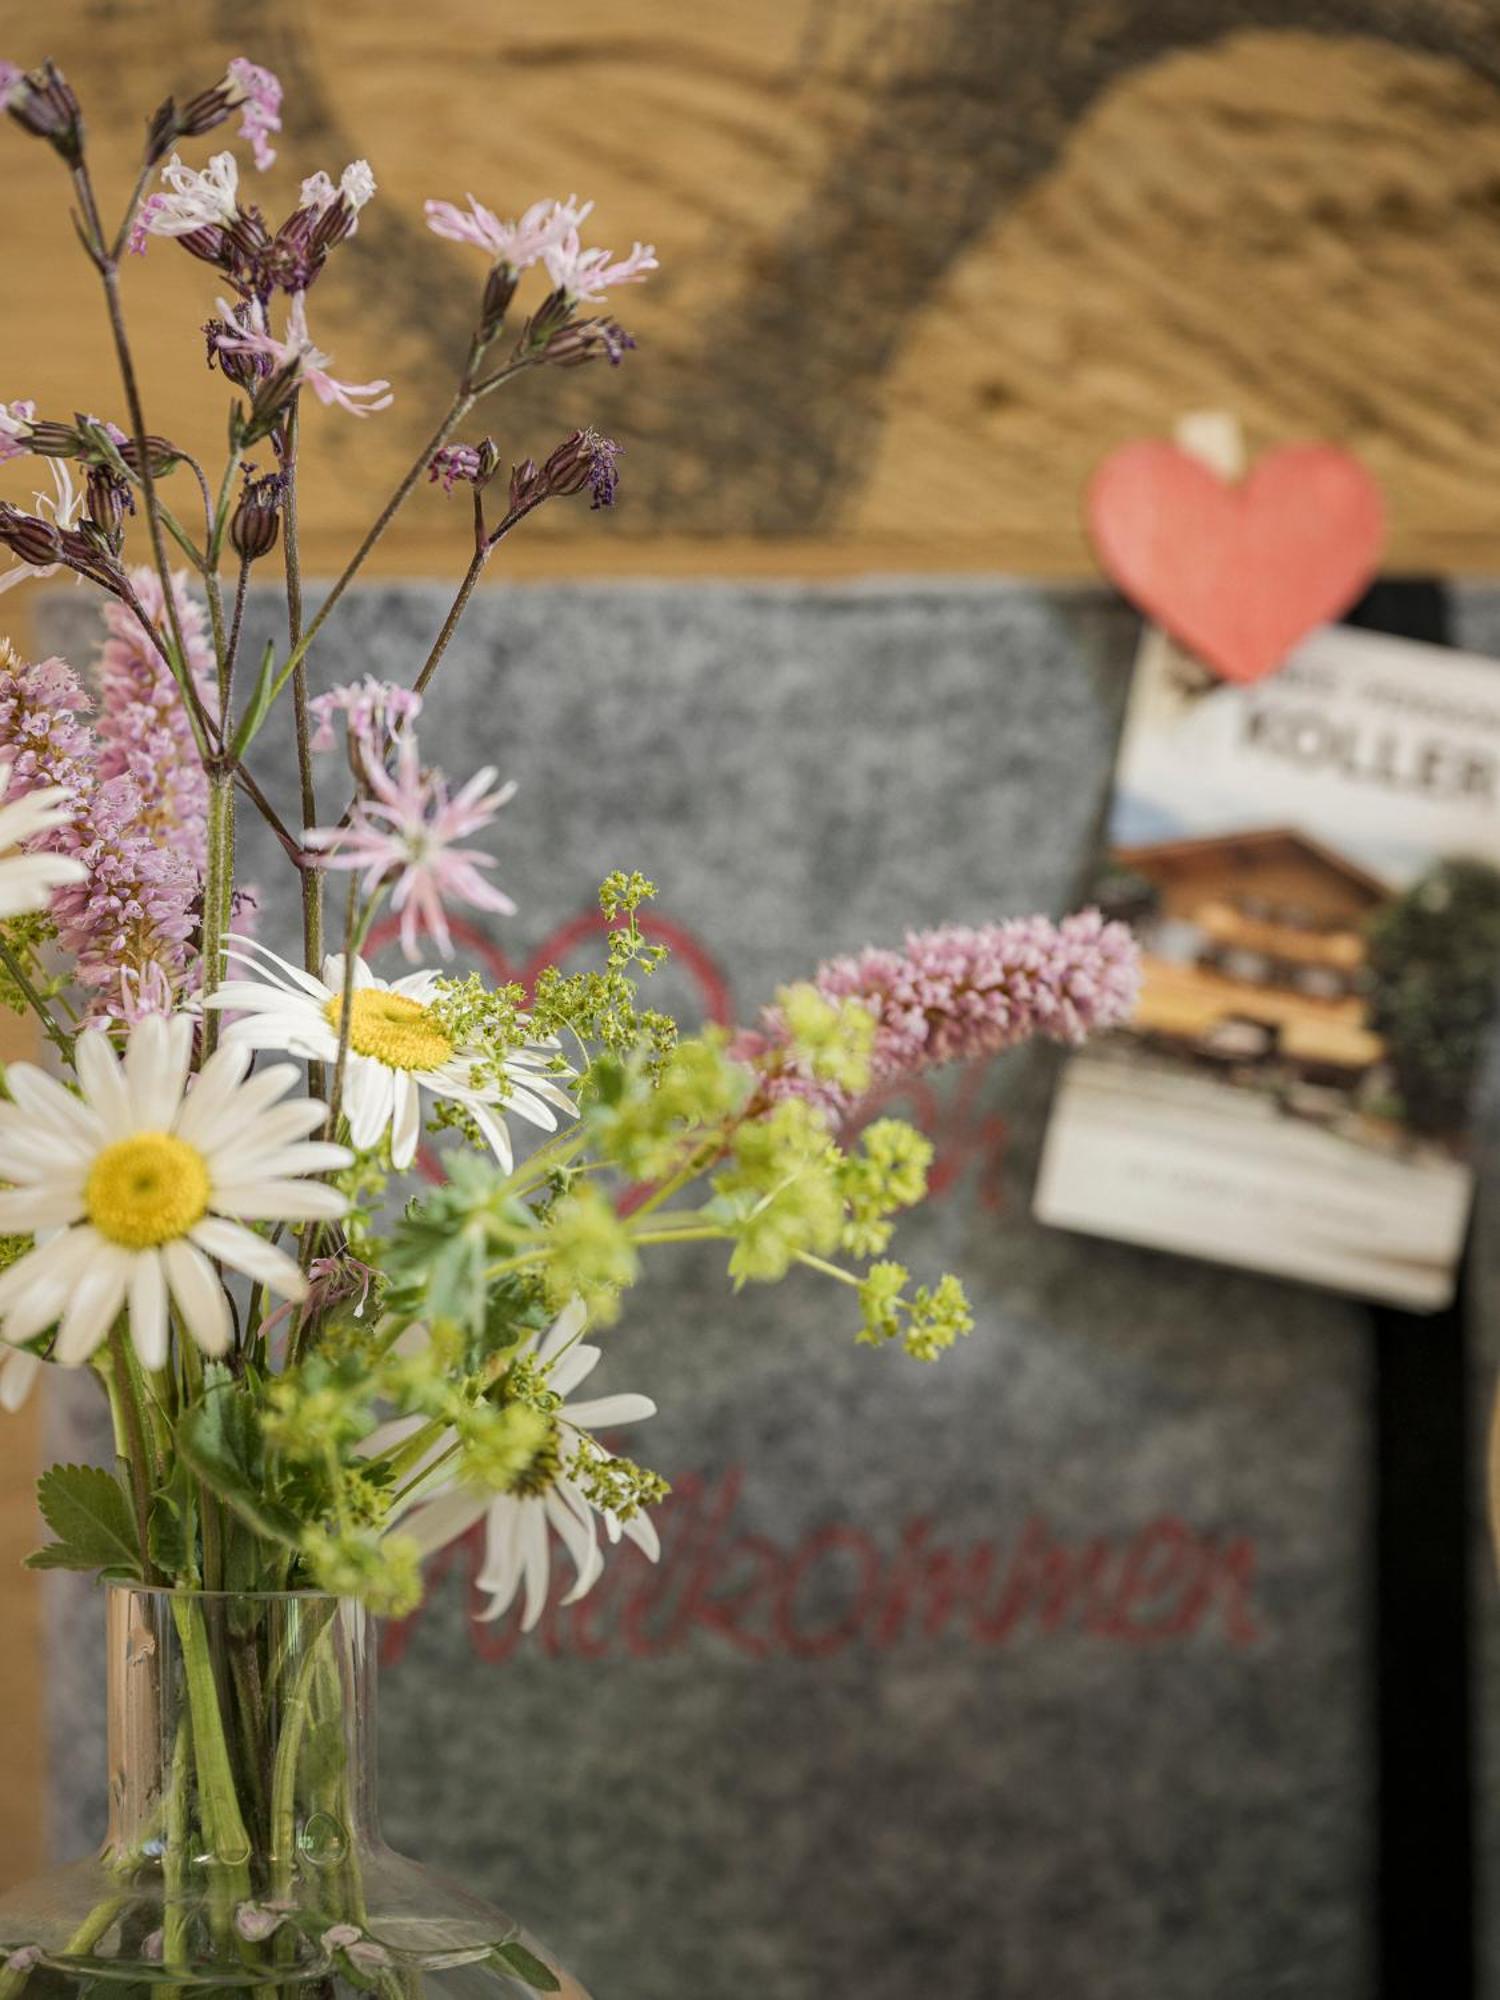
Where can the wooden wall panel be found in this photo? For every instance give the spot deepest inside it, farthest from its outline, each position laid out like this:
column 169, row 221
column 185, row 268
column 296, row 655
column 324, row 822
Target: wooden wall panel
column 923, row 260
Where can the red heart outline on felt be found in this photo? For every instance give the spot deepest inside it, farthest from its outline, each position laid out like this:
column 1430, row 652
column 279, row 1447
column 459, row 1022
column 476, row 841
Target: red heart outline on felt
column 1237, row 572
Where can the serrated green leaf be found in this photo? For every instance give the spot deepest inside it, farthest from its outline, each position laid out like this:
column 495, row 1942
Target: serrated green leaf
column 221, row 1440
column 517, row 1959
column 259, row 705
column 86, row 1508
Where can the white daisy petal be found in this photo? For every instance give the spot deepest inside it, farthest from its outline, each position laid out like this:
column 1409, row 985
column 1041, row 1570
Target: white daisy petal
column 148, row 1309
column 156, row 1065
column 501, row 1576
column 442, row 1520
column 23, row 1210
column 199, row 1295
column 369, row 1097
column 577, row 1532
column 406, row 1121
column 35, row 1289
column 564, row 1330
column 103, row 1084
column 608, row 1410
column 280, row 1201
column 44, row 1101
column 641, row 1530
column 244, row 1251
column 18, row 1372
column 250, row 951
column 96, row 1297
column 212, row 1089
column 496, row 1136
column 534, row 1563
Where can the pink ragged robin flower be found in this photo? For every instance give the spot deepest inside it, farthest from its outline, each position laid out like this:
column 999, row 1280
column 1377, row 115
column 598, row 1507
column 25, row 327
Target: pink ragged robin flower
column 295, row 350
column 589, row 274
column 260, row 98
column 519, row 244
column 402, row 836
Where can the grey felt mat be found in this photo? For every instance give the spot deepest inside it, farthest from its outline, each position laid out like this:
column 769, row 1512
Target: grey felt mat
column 1041, row 1672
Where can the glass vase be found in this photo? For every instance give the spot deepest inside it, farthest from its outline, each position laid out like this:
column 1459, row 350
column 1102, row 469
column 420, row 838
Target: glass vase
column 243, row 1846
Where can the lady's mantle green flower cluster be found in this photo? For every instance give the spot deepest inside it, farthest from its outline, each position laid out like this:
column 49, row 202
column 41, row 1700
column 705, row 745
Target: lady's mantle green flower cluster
column 598, row 1009
column 925, row 1321
column 418, row 1365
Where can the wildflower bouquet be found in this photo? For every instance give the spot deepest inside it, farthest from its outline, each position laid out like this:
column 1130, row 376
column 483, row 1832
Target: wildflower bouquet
column 321, row 1364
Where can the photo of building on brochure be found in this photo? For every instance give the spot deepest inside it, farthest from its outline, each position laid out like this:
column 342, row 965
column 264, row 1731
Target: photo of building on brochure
column 1312, row 865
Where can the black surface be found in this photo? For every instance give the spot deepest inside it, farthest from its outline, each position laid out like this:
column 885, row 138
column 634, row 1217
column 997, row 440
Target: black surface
column 1424, row 1723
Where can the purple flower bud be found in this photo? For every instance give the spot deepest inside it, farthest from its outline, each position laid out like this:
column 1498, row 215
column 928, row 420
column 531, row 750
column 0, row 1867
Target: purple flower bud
column 256, row 523
column 584, row 459
column 55, row 440
column 585, row 340
column 161, row 455
column 31, row 538
column 499, row 290
column 108, row 501
column 527, row 486
column 42, row 103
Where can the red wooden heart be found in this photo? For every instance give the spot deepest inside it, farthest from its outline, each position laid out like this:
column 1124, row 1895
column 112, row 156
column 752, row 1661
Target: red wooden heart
column 1237, row 573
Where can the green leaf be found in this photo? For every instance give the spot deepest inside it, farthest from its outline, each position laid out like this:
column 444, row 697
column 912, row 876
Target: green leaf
column 86, row 1508
column 220, row 1438
column 516, row 1958
column 259, row 705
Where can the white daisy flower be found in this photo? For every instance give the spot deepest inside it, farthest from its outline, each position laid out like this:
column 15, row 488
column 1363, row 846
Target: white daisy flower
column 145, row 1178
column 397, row 1049
column 27, row 880
column 19, row 1368
column 520, row 1524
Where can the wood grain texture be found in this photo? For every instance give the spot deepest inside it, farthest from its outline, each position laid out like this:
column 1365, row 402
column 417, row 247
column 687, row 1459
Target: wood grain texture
column 924, row 261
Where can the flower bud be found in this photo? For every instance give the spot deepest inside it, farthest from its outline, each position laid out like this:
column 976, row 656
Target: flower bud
column 256, row 522
column 272, row 400
column 54, row 440
column 499, row 290
column 28, row 536
column 108, row 500
column 585, row 340
column 42, row 103
column 584, row 459
column 161, row 455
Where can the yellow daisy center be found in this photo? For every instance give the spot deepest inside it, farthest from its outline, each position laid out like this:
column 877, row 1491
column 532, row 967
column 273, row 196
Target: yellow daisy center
column 147, row 1190
column 396, row 1031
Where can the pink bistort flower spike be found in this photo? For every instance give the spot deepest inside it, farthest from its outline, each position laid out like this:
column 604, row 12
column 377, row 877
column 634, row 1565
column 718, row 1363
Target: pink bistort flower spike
column 589, row 274
column 296, row 350
column 956, row 993
column 143, row 728
column 262, row 107
column 403, row 835
column 519, row 244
